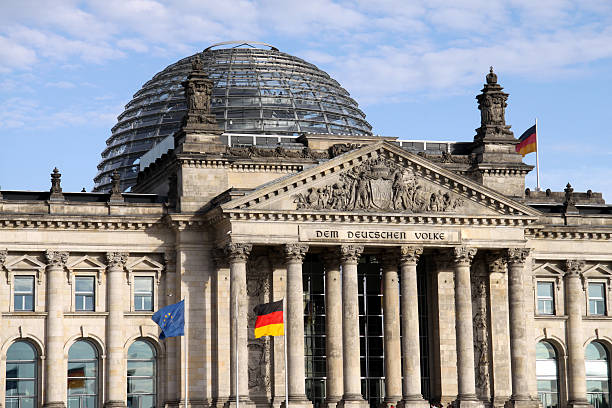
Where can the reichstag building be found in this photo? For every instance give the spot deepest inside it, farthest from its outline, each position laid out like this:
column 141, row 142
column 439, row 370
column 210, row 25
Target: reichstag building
column 415, row 272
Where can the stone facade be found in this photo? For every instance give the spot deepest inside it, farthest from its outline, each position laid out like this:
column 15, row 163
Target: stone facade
column 226, row 231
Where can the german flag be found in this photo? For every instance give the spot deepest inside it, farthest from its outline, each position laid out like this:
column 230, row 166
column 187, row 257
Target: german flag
column 269, row 319
column 528, row 142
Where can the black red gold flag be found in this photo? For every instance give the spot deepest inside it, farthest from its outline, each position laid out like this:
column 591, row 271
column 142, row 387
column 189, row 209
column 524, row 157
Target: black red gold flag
column 269, row 319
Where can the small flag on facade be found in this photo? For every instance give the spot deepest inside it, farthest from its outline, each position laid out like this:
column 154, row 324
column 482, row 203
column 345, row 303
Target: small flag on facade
column 269, row 319
column 171, row 320
column 528, row 142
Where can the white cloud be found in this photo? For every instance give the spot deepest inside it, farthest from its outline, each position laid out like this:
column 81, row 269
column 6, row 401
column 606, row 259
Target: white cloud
column 60, row 84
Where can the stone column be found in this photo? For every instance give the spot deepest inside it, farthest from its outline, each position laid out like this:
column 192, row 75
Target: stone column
column 238, row 255
column 172, row 343
column 411, row 396
column 295, row 324
column 391, row 328
column 500, row 344
column 115, row 338
column 3, row 255
column 519, row 343
column 576, row 376
column 464, row 329
column 333, row 329
column 55, row 376
column 350, row 328
column 223, row 339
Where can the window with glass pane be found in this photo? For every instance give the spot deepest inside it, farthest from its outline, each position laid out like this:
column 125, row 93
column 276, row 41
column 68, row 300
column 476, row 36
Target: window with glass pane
column 597, row 299
column 597, row 375
column 82, row 375
column 547, row 375
column 141, row 375
column 21, row 381
column 143, row 293
column 24, row 293
column 546, row 300
column 84, row 293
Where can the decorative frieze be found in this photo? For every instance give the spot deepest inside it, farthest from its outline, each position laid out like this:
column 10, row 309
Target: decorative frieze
column 410, row 254
column 238, row 252
column 463, row 255
column 350, row 253
column 295, row 252
column 378, row 184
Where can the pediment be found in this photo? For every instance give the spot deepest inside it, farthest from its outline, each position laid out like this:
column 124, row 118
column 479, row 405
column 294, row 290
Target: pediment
column 380, row 178
column 25, row 263
column 86, row 263
column 598, row 270
column 548, row 269
column 144, row 264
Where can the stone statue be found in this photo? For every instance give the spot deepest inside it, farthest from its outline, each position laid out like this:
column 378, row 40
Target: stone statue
column 198, row 96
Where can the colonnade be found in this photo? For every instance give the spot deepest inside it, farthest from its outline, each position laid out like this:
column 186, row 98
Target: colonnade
column 402, row 353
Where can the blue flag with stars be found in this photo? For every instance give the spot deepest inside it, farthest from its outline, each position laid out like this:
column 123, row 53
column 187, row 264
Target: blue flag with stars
column 171, row 320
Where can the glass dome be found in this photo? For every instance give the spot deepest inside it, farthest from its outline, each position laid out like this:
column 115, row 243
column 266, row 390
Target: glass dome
column 257, row 90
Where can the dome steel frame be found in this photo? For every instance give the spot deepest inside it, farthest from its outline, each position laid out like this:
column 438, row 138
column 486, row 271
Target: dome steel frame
column 256, row 91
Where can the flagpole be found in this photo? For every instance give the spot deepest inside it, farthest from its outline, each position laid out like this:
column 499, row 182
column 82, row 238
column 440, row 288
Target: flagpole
column 537, row 156
column 285, row 352
column 236, row 346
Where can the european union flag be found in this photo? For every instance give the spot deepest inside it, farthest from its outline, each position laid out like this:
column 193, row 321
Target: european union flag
column 171, row 320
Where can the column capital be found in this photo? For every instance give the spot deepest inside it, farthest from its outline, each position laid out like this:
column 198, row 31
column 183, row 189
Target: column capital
column 350, row 253
column 463, row 256
column 219, row 257
column 3, row 255
column 331, row 258
column 517, row 256
column 409, row 255
column 574, row 267
column 56, row 258
column 497, row 262
column 237, row 252
column 390, row 258
column 295, row 252
column 116, row 259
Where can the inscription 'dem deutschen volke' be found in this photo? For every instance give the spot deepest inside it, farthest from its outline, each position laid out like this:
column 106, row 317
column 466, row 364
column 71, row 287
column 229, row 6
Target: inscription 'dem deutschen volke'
column 377, row 235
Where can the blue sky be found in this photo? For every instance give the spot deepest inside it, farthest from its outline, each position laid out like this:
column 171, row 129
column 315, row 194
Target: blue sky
column 67, row 68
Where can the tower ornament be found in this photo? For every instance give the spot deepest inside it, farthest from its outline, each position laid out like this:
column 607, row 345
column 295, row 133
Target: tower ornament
column 492, row 103
column 378, row 184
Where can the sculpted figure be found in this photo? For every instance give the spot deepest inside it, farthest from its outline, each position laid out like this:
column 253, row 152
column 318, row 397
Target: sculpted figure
column 363, row 192
column 486, row 113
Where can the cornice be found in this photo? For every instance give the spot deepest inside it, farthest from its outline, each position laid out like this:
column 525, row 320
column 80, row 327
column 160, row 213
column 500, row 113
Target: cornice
column 70, row 223
column 240, row 165
column 571, row 233
column 378, row 218
column 187, row 221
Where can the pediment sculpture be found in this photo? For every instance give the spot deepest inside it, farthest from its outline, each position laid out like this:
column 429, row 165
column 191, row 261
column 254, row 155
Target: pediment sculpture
column 378, row 184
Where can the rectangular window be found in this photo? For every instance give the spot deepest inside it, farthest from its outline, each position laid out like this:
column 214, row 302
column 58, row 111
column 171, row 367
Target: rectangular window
column 546, row 299
column 597, row 299
column 84, row 293
column 143, row 293
column 24, row 293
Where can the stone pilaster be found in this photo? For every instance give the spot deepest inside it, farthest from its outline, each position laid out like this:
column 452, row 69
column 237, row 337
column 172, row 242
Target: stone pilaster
column 333, row 329
column 500, row 345
column 279, row 290
column 222, row 338
column 294, row 255
column 576, row 376
column 55, row 385
column 519, row 342
column 350, row 328
column 172, row 343
column 411, row 397
column 391, row 329
column 238, row 255
column 462, row 257
column 115, row 337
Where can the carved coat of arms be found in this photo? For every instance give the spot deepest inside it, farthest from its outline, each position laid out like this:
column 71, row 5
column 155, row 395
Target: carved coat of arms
column 378, row 184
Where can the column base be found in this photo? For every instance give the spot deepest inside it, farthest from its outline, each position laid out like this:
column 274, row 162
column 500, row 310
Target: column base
column 58, row 404
column 468, row 402
column 219, row 402
column 578, row 404
column 330, row 402
column 277, row 401
column 416, row 402
column 298, row 401
column 353, row 401
column 244, row 402
column 524, row 403
column 115, row 404
column 391, row 401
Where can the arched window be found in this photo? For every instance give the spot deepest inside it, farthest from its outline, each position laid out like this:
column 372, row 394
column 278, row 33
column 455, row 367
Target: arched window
column 597, row 375
column 547, row 374
column 21, row 376
column 141, row 374
column 82, row 375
